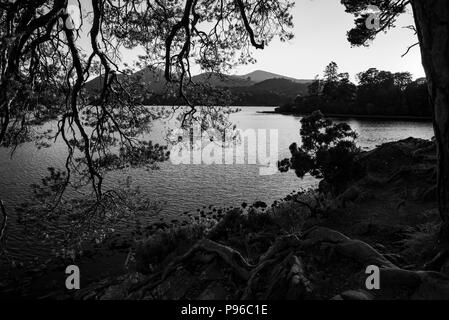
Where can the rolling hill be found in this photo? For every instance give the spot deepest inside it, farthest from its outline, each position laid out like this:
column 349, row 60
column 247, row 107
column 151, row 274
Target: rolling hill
column 222, row 81
column 153, row 76
column 260, row 75
column 271, row 92
column 255, row 88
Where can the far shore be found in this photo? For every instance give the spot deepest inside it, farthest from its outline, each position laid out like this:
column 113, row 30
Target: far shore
column 358, row 116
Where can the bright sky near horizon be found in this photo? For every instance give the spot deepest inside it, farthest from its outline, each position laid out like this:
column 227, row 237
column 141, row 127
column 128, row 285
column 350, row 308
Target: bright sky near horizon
column 320, row 37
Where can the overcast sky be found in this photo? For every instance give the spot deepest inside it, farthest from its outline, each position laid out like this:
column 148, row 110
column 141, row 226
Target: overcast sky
column 320, row 37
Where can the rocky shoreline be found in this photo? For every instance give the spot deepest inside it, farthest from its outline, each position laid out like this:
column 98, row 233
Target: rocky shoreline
column 387, row 218
column 310, row 245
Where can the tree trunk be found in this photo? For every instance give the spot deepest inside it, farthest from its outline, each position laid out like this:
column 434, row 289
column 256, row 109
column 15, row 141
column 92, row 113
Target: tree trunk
column 432, row 25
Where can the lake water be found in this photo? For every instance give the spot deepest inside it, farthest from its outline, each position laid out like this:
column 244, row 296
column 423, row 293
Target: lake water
column 189, row 187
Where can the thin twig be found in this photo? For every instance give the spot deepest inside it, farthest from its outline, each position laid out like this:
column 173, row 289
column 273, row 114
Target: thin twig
column 408, row 49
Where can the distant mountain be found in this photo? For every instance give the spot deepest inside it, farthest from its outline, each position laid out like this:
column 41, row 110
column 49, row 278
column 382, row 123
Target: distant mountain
column 152, row 76
column 255, row 88
column 242, row 80
column 271, row 92
column 260, row 75
column 155, row 78
column 283, row 86
column 221, row 81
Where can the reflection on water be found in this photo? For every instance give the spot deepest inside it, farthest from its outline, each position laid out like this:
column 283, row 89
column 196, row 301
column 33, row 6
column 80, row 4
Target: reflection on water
column 189, row 187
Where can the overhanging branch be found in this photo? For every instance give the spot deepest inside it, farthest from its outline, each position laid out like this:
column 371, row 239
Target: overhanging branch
column 248, row 27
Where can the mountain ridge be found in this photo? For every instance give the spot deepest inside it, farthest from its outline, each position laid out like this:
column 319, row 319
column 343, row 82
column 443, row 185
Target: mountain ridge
column 225, row 80
column 262, row 75
column 255, row 88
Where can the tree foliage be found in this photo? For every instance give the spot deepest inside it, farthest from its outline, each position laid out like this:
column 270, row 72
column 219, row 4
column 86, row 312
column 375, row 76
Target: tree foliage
column 327, row 151
column 45, row 64
column 387, row 14
column 50, row 49
column 378, row 93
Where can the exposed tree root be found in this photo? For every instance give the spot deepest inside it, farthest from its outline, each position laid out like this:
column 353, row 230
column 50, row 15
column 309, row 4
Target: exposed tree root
column 282, row 247
column 252, row 282
column 282, row 272
column 232, row 257
column 289, row 281
column 424, row 284
column 281, row 244
column 355, row 249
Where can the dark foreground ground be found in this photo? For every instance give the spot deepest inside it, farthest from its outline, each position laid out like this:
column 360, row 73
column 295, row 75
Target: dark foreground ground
column 307, row 246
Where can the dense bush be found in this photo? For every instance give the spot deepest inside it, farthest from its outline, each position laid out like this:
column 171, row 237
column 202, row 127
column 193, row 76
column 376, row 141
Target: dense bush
column 327, row 152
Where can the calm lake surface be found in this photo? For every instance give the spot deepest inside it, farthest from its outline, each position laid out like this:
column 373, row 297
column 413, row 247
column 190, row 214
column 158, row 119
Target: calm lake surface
column 189, row 187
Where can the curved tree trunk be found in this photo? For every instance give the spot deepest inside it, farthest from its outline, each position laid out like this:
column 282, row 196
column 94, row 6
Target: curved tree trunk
column 432, row 25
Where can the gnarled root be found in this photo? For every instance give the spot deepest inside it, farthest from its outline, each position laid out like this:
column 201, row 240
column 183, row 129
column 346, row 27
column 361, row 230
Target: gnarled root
column 287, row 279
column 421, row 284
column 355, row 249
column 230, row 256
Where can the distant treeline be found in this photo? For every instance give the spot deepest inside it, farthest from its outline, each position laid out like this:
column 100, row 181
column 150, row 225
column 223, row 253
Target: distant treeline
column 271, row 92
column 379, row 93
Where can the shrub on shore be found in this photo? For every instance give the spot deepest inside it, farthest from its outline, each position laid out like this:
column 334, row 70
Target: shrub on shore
column 328, row 152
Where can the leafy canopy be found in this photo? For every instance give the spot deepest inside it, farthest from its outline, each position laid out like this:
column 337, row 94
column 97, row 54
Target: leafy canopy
column 385, row 11
column 327, row 152
column 48, row 57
